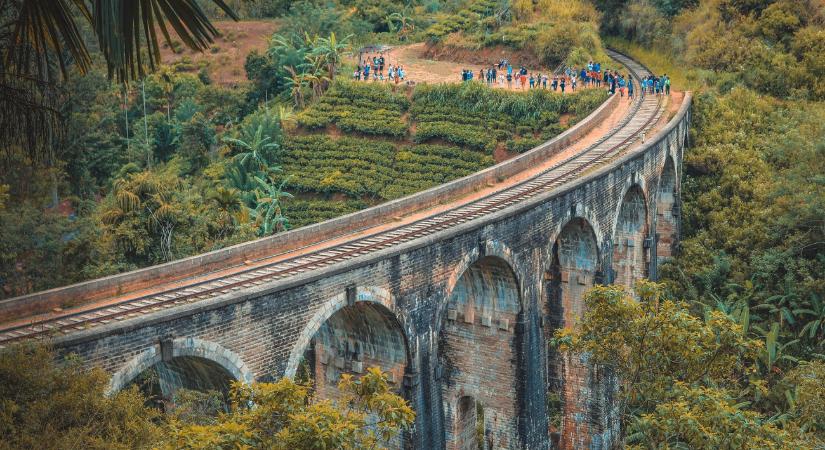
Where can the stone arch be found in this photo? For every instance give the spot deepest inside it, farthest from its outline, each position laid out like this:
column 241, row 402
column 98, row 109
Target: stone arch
column 489, row 248
column 666, row 220
column 630, row 232
column 189, row 347
column 351, row 332
column 478, row 353
column 369, row 294
column 575, row 267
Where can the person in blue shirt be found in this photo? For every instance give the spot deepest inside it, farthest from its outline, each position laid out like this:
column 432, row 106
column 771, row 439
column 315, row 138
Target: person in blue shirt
column 629, row 87
column 583, row 76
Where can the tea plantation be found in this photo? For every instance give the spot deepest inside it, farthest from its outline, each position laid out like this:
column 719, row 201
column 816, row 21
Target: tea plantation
column 365, row 143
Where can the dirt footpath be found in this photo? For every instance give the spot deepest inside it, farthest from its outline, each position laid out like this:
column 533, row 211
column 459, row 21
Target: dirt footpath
column 421, row 69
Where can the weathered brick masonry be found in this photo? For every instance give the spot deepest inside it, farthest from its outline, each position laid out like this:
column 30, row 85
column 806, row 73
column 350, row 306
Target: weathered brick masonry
column 461, row 318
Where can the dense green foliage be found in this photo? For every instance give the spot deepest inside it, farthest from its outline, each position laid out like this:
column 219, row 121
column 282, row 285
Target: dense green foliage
column 775, row 47
column 753, row 187
column 686, row 381
column 359, row 108
column 551, row 31
column 286, row 416
column 46, row 405
column 49, row 402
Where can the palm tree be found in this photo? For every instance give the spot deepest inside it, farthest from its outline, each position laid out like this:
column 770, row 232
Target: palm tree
column 255, row 151
column 239, row 178
column 228, row 202
column 331, row 51
column 268, row 210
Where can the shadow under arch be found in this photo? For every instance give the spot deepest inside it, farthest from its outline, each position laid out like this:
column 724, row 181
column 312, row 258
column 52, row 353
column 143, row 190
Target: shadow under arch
column 377, row 296
column 575, row 267
column 667, row 212
column 631, row 250
column 191, row 363
column 478, row 356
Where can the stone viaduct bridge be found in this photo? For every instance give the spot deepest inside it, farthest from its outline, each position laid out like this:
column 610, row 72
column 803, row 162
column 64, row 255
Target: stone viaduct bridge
column 454, row 291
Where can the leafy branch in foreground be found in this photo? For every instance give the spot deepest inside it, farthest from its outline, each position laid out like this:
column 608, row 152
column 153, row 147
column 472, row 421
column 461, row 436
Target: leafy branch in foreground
column 285, row 416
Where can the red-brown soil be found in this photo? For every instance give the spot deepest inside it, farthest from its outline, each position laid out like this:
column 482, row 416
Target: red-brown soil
column 224, row 60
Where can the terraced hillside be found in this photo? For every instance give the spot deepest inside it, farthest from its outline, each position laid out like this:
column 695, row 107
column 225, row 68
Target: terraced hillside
column 365, row 143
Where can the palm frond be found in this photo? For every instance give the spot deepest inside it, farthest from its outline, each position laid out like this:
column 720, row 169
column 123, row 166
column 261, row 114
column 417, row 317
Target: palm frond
column 120, row 26
column 44, row 26
column 44, row 29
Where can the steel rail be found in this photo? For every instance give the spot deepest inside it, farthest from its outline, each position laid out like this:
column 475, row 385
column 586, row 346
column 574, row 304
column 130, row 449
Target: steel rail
column 257, row 275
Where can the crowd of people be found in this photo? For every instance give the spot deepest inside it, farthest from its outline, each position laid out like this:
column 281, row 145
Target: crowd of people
column 373, row 68
column 503, row 73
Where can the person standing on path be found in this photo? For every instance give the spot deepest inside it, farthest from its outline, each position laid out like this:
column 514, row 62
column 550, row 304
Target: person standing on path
column 667, row 85
column 629, row 87
column 509, row 80
column 562, row 84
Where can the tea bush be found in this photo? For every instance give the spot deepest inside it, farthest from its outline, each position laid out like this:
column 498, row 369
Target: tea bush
column 353, row 166
column 475, row 137
column 302, row 212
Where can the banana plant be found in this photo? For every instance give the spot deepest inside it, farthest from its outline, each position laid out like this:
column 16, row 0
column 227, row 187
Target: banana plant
column 783, row 305
column 331, row 51
column 401, row 23
column 296, row 82
column 814, row 328
column 775, row 351
column 268, row 210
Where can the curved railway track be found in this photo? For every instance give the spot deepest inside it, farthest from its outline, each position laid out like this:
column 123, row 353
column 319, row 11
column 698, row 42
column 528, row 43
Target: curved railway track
column 644, row 114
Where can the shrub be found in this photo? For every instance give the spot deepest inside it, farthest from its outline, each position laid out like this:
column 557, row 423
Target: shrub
column 472, row 136
column 521, row 145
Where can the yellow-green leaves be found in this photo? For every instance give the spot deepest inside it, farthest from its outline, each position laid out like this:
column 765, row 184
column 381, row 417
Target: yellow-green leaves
column 286, row 416
column 679, row 374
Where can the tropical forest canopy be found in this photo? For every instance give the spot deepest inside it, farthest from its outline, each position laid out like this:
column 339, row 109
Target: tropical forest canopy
column 725, row 353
